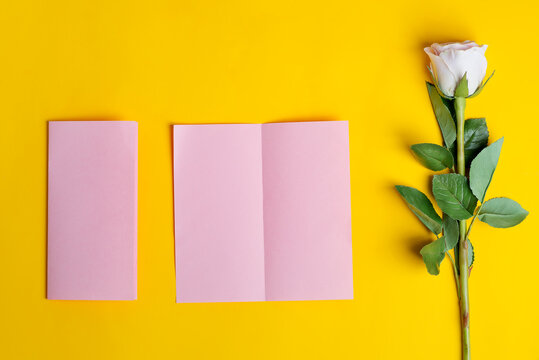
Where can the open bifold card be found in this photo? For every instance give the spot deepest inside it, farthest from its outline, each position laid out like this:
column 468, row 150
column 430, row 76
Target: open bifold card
column 262, row 212
column 92, row 210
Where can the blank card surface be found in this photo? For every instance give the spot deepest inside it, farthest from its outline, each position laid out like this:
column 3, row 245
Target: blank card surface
column 218, row 213
column 307, row 222
column 92, row 210
column 262, row 212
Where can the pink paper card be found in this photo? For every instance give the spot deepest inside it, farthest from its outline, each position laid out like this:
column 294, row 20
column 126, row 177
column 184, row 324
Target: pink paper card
column 218, row 213
column 262, row 212
column 307, row 217
column 92, row 210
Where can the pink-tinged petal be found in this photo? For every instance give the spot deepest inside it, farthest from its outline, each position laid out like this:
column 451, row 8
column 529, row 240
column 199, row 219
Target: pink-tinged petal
column 437, row 48
column 465, row 45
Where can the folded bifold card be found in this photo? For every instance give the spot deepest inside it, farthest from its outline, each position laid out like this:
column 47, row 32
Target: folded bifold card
column 262, row 212
column 92, row 210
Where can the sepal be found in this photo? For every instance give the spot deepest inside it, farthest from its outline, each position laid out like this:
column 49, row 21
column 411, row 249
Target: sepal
column 462, row 87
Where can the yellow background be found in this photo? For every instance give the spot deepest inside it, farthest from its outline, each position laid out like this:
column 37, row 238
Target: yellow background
column 168, row 62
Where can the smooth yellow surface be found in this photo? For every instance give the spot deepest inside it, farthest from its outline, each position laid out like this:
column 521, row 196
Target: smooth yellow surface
column 171, row 62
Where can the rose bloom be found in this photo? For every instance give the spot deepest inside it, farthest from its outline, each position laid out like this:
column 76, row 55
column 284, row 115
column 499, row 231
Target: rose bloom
column 450, row 61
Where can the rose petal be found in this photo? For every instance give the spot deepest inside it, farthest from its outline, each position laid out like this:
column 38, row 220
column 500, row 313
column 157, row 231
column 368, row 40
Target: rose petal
column 444, row 77
column 471, row 62
column 465, row 45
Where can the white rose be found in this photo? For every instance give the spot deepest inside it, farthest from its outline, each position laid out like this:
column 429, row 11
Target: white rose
column 450, row 61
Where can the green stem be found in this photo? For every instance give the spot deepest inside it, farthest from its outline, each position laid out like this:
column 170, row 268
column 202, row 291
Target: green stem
column 460, row 104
